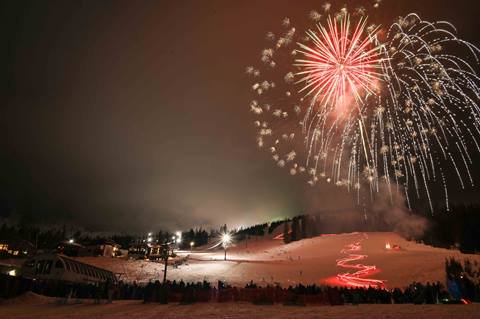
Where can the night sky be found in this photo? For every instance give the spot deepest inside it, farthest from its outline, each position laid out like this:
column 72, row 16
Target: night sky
column 133, row 115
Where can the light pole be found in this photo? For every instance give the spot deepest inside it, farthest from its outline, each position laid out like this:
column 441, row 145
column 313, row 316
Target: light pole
column 226, row 239
column 191, row 245
column 166, row 252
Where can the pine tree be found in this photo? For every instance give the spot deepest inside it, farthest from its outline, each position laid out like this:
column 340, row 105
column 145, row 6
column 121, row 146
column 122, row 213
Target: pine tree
column 223, row 229
column 303, row 229
column 286, row 235
column 295, row 229
column 160, row 237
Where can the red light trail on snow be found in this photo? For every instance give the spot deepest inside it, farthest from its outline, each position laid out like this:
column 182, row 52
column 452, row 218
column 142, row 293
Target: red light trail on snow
column 356, row 279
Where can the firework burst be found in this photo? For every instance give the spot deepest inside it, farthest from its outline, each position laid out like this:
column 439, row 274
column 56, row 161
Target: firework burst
column 341, row 105
column 339, row 64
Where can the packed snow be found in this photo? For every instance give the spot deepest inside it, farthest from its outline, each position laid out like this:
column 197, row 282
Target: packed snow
column 314, row 260
column 34, row 306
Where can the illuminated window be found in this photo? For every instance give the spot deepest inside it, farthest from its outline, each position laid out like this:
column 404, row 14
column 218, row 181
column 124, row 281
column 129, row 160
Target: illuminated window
column 3, row 246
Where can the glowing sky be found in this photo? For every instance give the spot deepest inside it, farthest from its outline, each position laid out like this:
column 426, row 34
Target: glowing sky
column 123, row 115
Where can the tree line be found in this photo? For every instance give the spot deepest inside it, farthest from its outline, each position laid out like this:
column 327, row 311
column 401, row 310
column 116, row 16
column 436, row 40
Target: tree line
column 456, row 228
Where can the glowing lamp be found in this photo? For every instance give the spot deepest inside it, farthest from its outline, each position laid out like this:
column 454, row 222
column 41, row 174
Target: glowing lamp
column 226, row 239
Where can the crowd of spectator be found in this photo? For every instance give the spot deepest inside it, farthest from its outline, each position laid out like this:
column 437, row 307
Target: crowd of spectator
column 155, row 291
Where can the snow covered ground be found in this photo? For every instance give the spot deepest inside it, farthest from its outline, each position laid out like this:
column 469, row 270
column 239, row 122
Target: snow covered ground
column 34, row 306
column 266, row 260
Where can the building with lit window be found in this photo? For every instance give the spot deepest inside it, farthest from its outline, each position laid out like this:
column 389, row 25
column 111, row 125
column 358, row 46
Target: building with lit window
column 16, row 249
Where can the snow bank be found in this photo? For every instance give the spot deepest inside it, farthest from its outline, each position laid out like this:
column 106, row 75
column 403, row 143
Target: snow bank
column 135, row 309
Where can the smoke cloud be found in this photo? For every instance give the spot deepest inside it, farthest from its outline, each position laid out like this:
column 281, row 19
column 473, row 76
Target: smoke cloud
column 389, row 211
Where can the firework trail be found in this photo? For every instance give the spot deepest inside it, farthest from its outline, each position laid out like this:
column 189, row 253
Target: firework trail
column 353, row 103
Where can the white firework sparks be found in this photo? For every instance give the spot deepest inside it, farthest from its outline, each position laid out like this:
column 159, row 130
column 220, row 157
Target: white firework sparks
column 355, row 110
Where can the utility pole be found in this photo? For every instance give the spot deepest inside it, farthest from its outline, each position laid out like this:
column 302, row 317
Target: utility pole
column 165, row 270
column 166, row 253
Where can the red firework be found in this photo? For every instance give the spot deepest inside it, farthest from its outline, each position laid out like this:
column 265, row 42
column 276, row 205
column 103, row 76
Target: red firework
column 344, row 59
